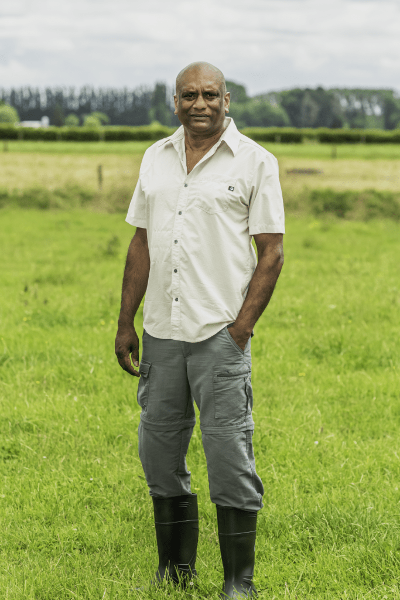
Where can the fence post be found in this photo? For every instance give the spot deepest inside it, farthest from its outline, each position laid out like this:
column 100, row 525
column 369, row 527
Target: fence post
column 334, row 152
column 100, row 176
column 5, row 145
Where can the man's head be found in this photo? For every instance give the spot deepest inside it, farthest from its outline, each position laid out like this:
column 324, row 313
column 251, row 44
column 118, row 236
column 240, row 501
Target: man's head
column 201, row 99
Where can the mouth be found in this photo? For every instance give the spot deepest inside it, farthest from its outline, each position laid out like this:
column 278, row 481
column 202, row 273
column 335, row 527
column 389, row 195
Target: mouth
column 199, row 116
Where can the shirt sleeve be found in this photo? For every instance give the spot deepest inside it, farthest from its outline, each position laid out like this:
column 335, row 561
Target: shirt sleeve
column 137, row 209
column 266, row 213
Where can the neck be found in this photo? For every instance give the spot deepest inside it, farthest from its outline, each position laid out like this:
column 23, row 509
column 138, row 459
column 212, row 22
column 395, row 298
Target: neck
column 202, row 141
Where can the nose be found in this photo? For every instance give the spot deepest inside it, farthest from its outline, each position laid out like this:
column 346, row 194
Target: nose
column 200, row 102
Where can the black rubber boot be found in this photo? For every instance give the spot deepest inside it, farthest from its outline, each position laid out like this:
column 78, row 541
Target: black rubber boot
column 237, row 538
column 177, row 531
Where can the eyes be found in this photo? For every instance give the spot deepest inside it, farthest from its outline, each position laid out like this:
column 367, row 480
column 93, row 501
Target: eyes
column 192, row 95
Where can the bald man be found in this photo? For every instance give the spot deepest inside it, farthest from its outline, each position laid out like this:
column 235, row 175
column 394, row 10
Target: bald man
column 203, row 194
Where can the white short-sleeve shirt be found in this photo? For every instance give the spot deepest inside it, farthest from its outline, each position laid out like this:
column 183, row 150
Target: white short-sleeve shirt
column 199, row 230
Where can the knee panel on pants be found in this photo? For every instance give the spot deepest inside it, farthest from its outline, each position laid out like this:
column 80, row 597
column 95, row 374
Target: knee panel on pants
column 231, row 468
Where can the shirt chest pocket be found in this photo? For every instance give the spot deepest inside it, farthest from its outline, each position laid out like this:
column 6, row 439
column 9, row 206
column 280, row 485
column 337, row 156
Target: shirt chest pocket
column 214, row 195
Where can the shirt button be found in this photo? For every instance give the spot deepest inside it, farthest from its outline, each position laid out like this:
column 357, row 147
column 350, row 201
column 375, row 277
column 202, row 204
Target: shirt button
column 176, row 299
column 180, row 212
column 176, row 241
column 185, row 185
column 175, row 270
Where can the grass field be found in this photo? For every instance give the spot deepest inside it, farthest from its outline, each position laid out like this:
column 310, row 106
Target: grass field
column 67, row 173
column 309, row 149
column 76, row 519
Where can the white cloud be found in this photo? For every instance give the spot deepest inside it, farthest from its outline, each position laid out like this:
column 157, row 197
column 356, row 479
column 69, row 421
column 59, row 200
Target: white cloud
column 266, row 44
column 15, row 74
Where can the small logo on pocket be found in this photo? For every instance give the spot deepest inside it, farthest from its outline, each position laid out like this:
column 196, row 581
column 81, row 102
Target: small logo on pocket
column 231, row 188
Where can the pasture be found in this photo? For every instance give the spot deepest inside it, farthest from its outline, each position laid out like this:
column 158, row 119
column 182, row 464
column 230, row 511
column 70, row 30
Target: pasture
column 67, row 165
column 76, row 518
column 75, row 513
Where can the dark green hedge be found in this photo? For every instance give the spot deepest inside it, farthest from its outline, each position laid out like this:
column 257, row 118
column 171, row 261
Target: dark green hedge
column 284, row 135
column 8, row 132
column 118, row 134
column 79, row 134
column 33, row 133
column 357, row 136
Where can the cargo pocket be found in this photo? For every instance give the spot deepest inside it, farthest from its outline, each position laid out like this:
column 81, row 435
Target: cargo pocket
column 231, row 395
column 144, row 382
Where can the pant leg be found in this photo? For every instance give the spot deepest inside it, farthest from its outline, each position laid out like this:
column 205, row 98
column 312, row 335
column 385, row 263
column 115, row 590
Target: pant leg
column 163, row 458
column 167, row 418
column 219, row 374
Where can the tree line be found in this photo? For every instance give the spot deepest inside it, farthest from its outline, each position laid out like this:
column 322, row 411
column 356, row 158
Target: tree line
column 299, row 107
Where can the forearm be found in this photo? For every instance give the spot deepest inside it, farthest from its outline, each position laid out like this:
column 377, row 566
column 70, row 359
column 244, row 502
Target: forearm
column 260, row 290
column 135, row 278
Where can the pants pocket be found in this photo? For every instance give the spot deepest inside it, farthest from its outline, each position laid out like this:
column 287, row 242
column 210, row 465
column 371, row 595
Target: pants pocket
column 232, row 341
column 231, row 396
column 144, row 383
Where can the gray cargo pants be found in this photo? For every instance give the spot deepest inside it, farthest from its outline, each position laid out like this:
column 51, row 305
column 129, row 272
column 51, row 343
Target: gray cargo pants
column 216, row 374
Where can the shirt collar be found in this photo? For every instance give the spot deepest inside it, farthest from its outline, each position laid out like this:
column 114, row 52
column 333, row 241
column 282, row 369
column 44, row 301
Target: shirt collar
column 231, row 137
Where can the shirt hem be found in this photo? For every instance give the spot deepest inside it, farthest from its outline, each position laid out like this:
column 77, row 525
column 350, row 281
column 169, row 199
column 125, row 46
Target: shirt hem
column 266, row 229
column 137, row 222
column 189, row 340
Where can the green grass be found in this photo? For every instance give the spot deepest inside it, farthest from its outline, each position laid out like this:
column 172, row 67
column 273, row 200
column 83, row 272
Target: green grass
column 76, row 519
column 309, row 149
column 65, row 174
column 42, row 147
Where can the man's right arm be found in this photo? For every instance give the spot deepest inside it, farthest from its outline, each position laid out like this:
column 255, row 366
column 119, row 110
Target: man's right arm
column 134, row 286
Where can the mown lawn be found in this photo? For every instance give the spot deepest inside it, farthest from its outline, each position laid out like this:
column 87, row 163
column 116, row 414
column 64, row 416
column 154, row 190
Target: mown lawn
column 76, row 519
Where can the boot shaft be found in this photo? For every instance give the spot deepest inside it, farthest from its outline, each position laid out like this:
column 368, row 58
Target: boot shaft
column 177, row 532
column 237, row 537
column 175, row 509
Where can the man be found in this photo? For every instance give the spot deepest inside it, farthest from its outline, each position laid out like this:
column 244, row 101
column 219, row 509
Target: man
column 202, row 194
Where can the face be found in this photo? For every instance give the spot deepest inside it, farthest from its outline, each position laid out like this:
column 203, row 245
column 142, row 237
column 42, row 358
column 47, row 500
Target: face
column 200, row 102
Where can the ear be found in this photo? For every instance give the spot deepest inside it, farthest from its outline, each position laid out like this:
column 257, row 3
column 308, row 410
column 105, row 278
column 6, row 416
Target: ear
column 176, row 104
column 227, row 101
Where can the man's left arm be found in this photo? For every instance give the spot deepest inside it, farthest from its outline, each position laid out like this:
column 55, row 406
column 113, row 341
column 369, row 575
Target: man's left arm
column 262, row 284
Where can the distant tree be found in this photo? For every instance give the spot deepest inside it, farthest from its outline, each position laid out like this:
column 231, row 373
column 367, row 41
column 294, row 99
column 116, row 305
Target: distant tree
column 58, row 115
column 160, row 111
column 142, row 105
column 237, row 91
column 361, row 107
column 309, row 110
column 391, row 112
column 8, row 114
column 102, row 117
column 312, row 108
column 91, row 122
column 258, row 113
column 71, row 120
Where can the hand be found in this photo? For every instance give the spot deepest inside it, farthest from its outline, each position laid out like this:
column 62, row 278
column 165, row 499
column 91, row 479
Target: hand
column 126, row 343
column 238, row 336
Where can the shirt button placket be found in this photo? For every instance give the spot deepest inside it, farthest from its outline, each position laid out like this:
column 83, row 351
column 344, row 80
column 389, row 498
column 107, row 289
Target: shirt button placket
column 176, row 245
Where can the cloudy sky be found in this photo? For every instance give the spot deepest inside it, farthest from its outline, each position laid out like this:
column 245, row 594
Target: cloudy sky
column 265, row 44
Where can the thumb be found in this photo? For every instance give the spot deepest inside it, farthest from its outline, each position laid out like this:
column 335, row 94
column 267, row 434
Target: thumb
column 135, row 356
